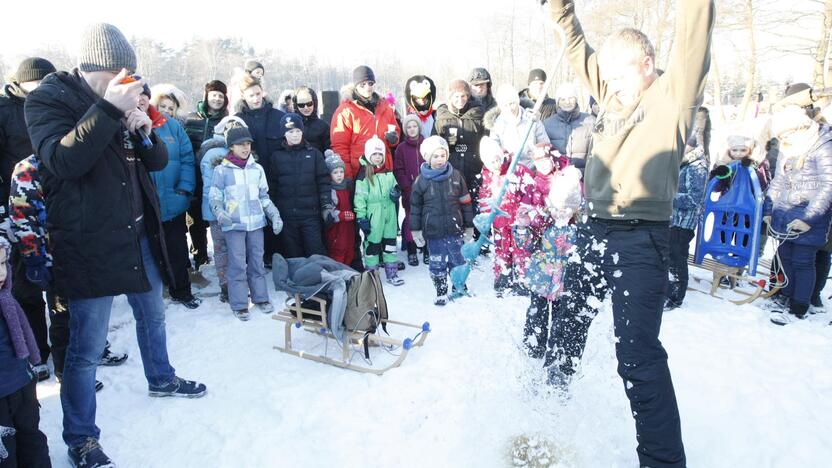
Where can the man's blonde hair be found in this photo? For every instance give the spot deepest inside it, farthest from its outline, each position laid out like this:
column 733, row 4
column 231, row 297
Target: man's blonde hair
column 629, row 41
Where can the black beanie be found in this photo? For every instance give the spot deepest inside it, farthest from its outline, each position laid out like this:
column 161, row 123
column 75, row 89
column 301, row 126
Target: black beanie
column 537, row 75
column 290, row 121
column 363, row 73
column 33, row 69
column 146, row 90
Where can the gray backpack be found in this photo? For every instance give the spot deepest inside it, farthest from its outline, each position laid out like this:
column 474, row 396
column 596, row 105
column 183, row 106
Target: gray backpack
column 366, row 305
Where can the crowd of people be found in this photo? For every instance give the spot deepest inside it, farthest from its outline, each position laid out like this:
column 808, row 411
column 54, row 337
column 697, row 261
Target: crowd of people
column 109, row 178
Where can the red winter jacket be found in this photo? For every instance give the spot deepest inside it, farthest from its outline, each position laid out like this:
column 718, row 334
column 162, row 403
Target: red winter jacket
column 340, row 237
column 353, row 124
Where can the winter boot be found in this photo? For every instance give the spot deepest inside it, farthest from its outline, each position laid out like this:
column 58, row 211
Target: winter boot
column 224, row 293
column 441, row 285
column 816, row 305
column 796, row 311
column 190, row 301
column 425, row 255
column 178, row 388
column 109, row 358
column 777, row 302
column 391, row 270
column 412, row 257
column 41, row 372
column 242, row 314
column 89, row 455
column 400, row 266
column 500, row 284
column 264, row 307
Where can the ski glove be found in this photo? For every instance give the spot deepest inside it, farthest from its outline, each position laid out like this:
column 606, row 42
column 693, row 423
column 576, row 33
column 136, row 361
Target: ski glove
column 469, row 234
column 37, row 272
column 330, row 217
column 277, row 224
column 364, row 225
column 799, row 226
column 223, row 219
column 418, row 239
column 395, row 193
column 391, row 138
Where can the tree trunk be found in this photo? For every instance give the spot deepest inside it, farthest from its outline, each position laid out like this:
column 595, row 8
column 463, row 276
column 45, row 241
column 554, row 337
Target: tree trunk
column 752, row 62
column 821, row 78
column 717, row 82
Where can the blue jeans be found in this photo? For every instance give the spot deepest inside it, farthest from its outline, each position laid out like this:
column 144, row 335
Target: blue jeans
column 445, row 254
column 88, row 324
column 798, row 263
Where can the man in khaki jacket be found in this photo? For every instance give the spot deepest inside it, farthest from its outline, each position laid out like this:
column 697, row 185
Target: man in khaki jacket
column 630, row 181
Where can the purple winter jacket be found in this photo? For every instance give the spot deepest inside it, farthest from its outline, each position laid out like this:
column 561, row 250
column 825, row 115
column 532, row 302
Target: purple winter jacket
column 406, row 163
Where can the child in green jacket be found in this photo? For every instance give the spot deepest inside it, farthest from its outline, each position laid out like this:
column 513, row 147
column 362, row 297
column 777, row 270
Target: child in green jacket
column 376, row 195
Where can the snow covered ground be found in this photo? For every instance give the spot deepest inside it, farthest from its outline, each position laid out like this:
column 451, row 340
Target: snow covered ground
column 751, row 394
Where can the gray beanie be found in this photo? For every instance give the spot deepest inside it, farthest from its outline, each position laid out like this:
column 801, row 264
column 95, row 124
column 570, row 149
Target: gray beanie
column 333, row 160
column 104, row 48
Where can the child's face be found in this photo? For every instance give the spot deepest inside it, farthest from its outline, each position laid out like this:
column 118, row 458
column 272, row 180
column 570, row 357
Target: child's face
column 493, row 162
column 739, row 152
column 241, row 150
column 294, row 136
column 337, row 175
column 412, row 129
column 377, row 159
column 438, row 159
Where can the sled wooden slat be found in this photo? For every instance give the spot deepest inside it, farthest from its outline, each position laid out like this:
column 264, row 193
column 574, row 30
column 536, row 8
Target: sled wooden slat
column 734, row 275
column 293, row 316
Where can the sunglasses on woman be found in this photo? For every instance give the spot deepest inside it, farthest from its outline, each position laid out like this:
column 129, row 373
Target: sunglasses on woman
column 301, row 105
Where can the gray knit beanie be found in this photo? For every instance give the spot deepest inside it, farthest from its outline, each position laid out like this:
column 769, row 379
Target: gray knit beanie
column 104, row 48
column 333, row 160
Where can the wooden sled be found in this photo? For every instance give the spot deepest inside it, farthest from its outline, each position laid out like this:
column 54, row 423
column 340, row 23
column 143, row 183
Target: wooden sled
column 736, row 276
column 314, row 321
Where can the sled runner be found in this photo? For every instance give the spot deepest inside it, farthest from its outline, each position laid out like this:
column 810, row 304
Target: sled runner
column 745, row 287
column 345, row 309
column 311, row 315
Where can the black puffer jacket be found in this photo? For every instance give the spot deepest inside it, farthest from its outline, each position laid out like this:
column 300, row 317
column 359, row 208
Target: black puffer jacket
column 264, row 126
column 14, row 138
column 200, row 125
column 463, row 132
column 299, row 183
column 88, row 190
column 315, row 130
column 440, row 205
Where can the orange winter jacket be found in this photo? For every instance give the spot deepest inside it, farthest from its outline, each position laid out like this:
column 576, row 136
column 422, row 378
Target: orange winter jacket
column 353, row 124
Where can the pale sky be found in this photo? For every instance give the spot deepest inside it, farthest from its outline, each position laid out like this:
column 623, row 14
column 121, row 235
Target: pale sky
column 344, row 30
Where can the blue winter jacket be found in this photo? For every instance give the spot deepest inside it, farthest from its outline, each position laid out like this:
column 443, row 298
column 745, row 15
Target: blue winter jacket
column 179, row 174
column 690, row 198
column 210, row 159
column 804, row 192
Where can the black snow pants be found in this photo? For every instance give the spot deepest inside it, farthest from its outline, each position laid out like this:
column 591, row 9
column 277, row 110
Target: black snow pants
column 630, row 260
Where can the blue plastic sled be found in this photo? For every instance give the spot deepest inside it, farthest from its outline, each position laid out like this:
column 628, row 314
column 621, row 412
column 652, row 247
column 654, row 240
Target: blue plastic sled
column 730, row 227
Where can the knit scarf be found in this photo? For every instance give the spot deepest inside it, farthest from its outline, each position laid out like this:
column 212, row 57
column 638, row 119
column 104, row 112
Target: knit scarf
column 23, row 339
column 436, row 174
column 239, row 162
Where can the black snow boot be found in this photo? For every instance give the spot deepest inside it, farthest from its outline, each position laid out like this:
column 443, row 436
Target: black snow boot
column 441, row 285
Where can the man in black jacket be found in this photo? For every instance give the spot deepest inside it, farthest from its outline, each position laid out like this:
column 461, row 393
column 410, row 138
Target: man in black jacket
column 14, row 147
column 104, row 222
